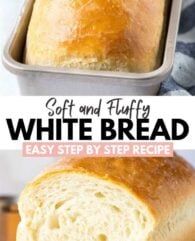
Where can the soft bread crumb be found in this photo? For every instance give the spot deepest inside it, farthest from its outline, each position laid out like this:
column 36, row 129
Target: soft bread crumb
column 88, row 209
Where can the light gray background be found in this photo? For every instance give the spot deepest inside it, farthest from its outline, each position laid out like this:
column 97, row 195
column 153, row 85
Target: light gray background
column 9, row 11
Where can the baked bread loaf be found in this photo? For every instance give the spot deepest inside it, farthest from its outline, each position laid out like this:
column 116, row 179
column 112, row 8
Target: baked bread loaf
column 110, row 199
column 117, row 35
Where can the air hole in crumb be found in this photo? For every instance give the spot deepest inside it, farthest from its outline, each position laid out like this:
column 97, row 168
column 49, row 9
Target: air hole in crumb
column 74, row 217
column 137, row 214
column 59, row 204
column 99, row 195
column 115, row 208
column 53, row 222
column 102, row 237
column 144, row 221
column 128, row 231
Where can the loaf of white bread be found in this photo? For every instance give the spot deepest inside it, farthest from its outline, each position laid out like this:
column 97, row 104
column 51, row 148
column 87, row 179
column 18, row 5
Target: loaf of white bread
column 110, row 199
column 117, row 35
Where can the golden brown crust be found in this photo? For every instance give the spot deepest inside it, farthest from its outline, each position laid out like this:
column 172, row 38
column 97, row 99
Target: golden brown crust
column 185, row 234
column 189, row 235
column 97, row 34
column 161, row 183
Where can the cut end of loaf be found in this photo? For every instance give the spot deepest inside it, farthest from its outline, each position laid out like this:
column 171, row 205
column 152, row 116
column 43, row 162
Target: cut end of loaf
column 79, row 207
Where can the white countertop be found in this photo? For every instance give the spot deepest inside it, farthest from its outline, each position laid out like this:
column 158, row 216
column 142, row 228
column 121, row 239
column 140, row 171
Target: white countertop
column 9, row 11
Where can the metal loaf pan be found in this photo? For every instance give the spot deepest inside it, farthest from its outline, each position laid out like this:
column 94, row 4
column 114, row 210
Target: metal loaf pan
column 37, row 80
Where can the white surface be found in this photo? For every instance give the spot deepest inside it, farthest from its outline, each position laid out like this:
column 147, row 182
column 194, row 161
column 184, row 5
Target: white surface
column 16, row 171
column 9, row 10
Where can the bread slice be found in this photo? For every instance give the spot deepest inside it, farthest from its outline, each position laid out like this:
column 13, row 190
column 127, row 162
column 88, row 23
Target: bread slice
column 110, row 199
column 117, row 35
